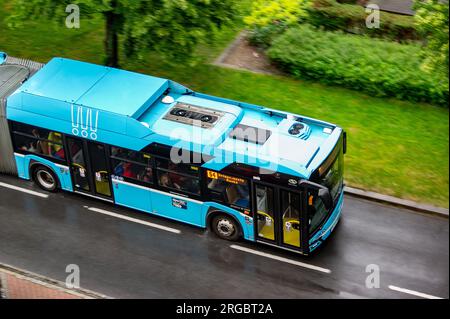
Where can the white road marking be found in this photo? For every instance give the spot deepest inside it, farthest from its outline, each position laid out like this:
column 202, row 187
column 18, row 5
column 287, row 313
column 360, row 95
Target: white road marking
column 134, row 220
column 23, row 190
column 286, row 260
column 414, row 293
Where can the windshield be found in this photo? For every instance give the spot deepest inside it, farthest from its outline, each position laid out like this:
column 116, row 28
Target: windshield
column 330, row 175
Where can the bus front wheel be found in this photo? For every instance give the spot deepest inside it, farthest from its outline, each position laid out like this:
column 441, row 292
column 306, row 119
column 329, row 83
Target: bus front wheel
column 225, row 227
column 45, row 179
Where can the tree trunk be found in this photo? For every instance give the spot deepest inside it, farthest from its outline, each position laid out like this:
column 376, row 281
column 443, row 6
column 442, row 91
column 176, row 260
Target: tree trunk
column 111, row 39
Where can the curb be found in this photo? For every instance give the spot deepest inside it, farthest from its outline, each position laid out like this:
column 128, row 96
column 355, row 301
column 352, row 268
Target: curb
column 47, row 282
column 395, row 201
column 2, row 287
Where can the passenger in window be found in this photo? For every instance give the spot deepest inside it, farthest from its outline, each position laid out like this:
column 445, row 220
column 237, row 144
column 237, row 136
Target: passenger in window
column 146, row 175
column 129, row 170
column 164, row 180
column 118, row 170
column 31, row 147
column 55, row 150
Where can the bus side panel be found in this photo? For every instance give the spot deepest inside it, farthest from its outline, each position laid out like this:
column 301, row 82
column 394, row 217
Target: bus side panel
column 245, row 221
column 177, row 207
column 61, row 171
column 132, row 196
column 20, row 163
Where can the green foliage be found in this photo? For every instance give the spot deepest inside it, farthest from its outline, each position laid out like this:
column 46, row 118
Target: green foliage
column 263, row 36
column 173, row 28
column 378, row 67
column 332, row 15
column 432, row 21
column 269, row 18
column 267, row 12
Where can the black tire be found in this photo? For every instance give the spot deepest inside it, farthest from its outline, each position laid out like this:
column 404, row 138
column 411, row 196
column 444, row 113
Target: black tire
column 45, row 178
column 226, row 227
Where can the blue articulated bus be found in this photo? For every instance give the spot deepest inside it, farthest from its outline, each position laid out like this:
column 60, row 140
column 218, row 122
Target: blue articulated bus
column 151, row 144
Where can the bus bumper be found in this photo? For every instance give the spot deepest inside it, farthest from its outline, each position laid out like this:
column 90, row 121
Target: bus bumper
column 325, row 231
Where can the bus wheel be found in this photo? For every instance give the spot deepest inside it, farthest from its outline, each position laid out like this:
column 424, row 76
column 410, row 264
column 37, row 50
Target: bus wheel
column 225, row 227
column 45, row 179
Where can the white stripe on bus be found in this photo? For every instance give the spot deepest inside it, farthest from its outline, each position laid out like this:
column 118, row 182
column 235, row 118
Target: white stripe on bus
column 286, row 260
column 134, row 220
column 23, row 190
column 414, row 293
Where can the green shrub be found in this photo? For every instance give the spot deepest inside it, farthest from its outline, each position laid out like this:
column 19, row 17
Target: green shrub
column 268, row 18
column 265, row 12
column 378, row 67
column 332, row 15
column 263, row 36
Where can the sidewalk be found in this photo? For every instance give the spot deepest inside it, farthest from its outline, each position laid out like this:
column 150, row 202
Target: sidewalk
column 20, row 284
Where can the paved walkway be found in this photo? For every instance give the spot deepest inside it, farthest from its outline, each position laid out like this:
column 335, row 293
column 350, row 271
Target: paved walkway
column 20, row 284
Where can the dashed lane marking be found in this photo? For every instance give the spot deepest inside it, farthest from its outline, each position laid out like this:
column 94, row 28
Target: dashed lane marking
column 414, row 293
column 134, row 220
column 23, row 190
column 286, row 260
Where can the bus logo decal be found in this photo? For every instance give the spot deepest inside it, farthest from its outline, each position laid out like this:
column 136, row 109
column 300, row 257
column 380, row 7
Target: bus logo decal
column 87, row 128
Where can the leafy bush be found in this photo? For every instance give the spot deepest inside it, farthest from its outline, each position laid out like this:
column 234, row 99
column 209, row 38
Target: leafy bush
column 266, row 12
column 378, row 67
column 332, row 15
column 269, row 18
column 432, row 21
column 263, row 36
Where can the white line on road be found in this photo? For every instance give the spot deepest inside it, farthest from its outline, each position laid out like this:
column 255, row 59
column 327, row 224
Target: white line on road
column 134, row 220
column 23, row 190
column 286, row 260
column 414, row 293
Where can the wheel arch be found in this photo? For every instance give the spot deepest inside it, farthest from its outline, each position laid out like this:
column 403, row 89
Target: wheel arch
column 35, row 164
column 213, row 212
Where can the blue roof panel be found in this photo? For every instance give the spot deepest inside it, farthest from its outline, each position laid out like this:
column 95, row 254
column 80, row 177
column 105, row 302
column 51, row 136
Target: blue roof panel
column 64, row 80
column 103, row 88
column 123, row 92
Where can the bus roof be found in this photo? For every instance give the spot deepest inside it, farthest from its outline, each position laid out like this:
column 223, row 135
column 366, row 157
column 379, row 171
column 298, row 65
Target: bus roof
column 104, row 88
column 133, row 110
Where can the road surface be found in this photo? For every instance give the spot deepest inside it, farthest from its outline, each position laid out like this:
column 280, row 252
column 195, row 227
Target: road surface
column 144, row 256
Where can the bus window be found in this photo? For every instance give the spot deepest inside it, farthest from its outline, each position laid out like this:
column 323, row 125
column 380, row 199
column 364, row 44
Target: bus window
column 133, row 166
column 290, row 209
column 317, row 211
column 265, row 206
column 182, row 177
column 39, row 141
column 229, row 189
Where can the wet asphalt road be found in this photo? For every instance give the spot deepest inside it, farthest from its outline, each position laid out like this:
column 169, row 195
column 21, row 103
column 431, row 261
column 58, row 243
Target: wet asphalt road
column 123, row 259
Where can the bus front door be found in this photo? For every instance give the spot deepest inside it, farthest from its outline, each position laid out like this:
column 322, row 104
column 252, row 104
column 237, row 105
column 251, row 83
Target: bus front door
column 89, row 168
column 278, row 217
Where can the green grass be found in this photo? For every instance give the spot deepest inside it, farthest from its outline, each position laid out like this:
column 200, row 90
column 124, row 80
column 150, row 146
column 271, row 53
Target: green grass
column 394, row 147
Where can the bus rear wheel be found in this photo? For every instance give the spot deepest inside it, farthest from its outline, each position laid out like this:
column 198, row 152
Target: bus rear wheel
column 225, row 227
column 45, row 179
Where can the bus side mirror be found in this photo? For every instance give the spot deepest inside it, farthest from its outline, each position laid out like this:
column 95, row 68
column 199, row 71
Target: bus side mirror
column 325, row 196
